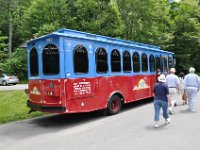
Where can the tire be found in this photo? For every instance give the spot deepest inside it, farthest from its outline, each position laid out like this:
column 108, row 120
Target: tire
column 4, row 83
column 114, row 105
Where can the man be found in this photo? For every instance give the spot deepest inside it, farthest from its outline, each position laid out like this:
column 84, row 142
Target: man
column 174, row 88
column 191, row 87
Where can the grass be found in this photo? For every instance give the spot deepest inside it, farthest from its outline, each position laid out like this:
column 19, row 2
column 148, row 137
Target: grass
column 13, row 106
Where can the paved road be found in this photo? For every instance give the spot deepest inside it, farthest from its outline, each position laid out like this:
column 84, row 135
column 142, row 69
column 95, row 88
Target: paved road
column 14, row 87
column 132, row 129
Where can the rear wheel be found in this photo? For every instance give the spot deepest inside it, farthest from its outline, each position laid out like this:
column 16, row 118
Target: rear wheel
column 4, row 83
column 114, row 105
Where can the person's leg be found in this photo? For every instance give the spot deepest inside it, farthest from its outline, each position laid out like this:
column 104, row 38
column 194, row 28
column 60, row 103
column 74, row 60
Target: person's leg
column 165, row 109
column 189, row 96
column 192, row 101
column 173, row 96
column 157, row 106
column 165, row 112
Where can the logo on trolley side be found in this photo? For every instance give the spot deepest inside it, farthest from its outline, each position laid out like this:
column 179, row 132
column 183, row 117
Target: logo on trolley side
column 35, row 91
column 141, row 85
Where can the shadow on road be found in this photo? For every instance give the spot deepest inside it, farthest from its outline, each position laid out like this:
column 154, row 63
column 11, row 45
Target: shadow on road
column 58, row 122
column 69, row 120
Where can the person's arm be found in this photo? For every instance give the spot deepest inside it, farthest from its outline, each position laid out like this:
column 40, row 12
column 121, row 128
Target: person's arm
column 178, row 88
column 169, row 99
column 154, row 91
column 198, row 82
column 178, row 85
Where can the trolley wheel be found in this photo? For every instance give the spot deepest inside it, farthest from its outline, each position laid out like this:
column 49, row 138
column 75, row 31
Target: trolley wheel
column 114, row 105
column 4, row 83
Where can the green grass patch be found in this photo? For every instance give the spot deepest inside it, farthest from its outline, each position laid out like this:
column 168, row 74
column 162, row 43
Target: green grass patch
column 13, row 106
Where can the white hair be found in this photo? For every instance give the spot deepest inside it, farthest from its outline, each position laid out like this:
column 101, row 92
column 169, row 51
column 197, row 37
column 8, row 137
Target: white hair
column 173, row 70
column 192, row 70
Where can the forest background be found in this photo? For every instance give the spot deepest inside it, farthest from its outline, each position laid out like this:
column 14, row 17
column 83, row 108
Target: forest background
column 173, row 25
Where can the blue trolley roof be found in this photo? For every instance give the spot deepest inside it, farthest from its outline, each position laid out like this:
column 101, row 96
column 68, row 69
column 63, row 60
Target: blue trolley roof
column 94, row 37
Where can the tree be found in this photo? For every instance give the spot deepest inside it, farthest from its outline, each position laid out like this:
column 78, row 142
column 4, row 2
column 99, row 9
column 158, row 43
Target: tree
column 43, row 15
column 11, row 21
column 17, row 65
column 186, row 34
column 146, row 21
column 99, row 17
column 3, row 48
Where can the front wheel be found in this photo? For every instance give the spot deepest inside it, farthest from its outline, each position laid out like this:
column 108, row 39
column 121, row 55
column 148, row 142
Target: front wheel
column 114, row 105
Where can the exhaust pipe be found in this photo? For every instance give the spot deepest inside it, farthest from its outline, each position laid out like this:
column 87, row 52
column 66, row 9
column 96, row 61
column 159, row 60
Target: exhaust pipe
column 31, row 110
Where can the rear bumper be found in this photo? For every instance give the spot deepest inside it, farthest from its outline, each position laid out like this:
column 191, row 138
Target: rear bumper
column 45, row 108
column 12, row 81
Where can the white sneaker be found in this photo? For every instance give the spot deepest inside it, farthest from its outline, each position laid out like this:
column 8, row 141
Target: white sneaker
column 167, row 121
column 156, row 126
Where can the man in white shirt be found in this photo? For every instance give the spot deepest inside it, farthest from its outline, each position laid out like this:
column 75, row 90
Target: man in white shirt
column 174, row 88
column 191, row 86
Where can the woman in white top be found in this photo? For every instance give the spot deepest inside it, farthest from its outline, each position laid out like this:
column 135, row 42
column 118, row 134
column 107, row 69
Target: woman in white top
column 181, row 78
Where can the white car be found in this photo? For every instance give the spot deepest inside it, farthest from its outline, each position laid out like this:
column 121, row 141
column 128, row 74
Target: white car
column 7, row 79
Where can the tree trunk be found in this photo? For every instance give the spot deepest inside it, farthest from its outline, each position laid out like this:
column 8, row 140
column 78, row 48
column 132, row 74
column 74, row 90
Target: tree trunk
column 10, row 40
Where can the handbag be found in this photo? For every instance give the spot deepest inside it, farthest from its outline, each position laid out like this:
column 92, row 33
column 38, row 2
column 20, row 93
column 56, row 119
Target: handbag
column 184, row 97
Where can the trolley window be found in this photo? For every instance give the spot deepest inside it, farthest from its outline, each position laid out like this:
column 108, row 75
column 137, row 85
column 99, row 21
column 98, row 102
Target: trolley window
column 50, row 58
column 115, row 61
column 170, row 62
column 152, row 63
column 80, row 59
column 158, row 64
column 165, row 64
column 144, row 62
column 126, row 62
column 136, row 62
column 34, row 62
column 101, row 60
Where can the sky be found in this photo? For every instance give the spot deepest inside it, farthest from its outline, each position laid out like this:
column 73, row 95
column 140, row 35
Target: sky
column 174, row 0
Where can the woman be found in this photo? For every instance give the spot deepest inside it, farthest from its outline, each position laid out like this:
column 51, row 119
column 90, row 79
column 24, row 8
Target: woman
column 183, row 94
column 161, row 92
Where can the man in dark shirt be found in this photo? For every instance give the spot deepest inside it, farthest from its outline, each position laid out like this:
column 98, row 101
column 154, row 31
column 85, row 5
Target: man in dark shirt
column 161, row 92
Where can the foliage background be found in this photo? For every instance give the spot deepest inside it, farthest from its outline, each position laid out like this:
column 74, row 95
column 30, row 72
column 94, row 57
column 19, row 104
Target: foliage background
column 174, row 26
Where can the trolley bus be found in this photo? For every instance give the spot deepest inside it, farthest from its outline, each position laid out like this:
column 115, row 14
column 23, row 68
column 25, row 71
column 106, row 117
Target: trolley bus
column 71, row 71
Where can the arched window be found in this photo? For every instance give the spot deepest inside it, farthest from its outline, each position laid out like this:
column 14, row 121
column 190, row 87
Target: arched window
column 80, row 59
column 115, row 61
column 144, row 62
column 158, row 64
column 126, row 61
column 152, row 63
column 50, row 59
column 165, row 64
column 170, row 62
column 136, row 62
column 34, row 62
column 101, row 60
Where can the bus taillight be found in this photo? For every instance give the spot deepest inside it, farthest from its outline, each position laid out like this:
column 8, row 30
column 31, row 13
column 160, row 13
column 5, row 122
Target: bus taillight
column 53, row 93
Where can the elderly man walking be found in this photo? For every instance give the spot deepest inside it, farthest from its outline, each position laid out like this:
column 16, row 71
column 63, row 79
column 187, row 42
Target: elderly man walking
column 174, row 88
column 191, row 86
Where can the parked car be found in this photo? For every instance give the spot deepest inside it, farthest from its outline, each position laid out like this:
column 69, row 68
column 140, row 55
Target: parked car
column 8, row 79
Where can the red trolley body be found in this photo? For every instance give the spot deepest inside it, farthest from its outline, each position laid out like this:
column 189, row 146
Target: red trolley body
column 72, row 71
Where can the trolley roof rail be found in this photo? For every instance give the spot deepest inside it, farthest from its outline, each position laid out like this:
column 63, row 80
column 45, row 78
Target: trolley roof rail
column 100, row 38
